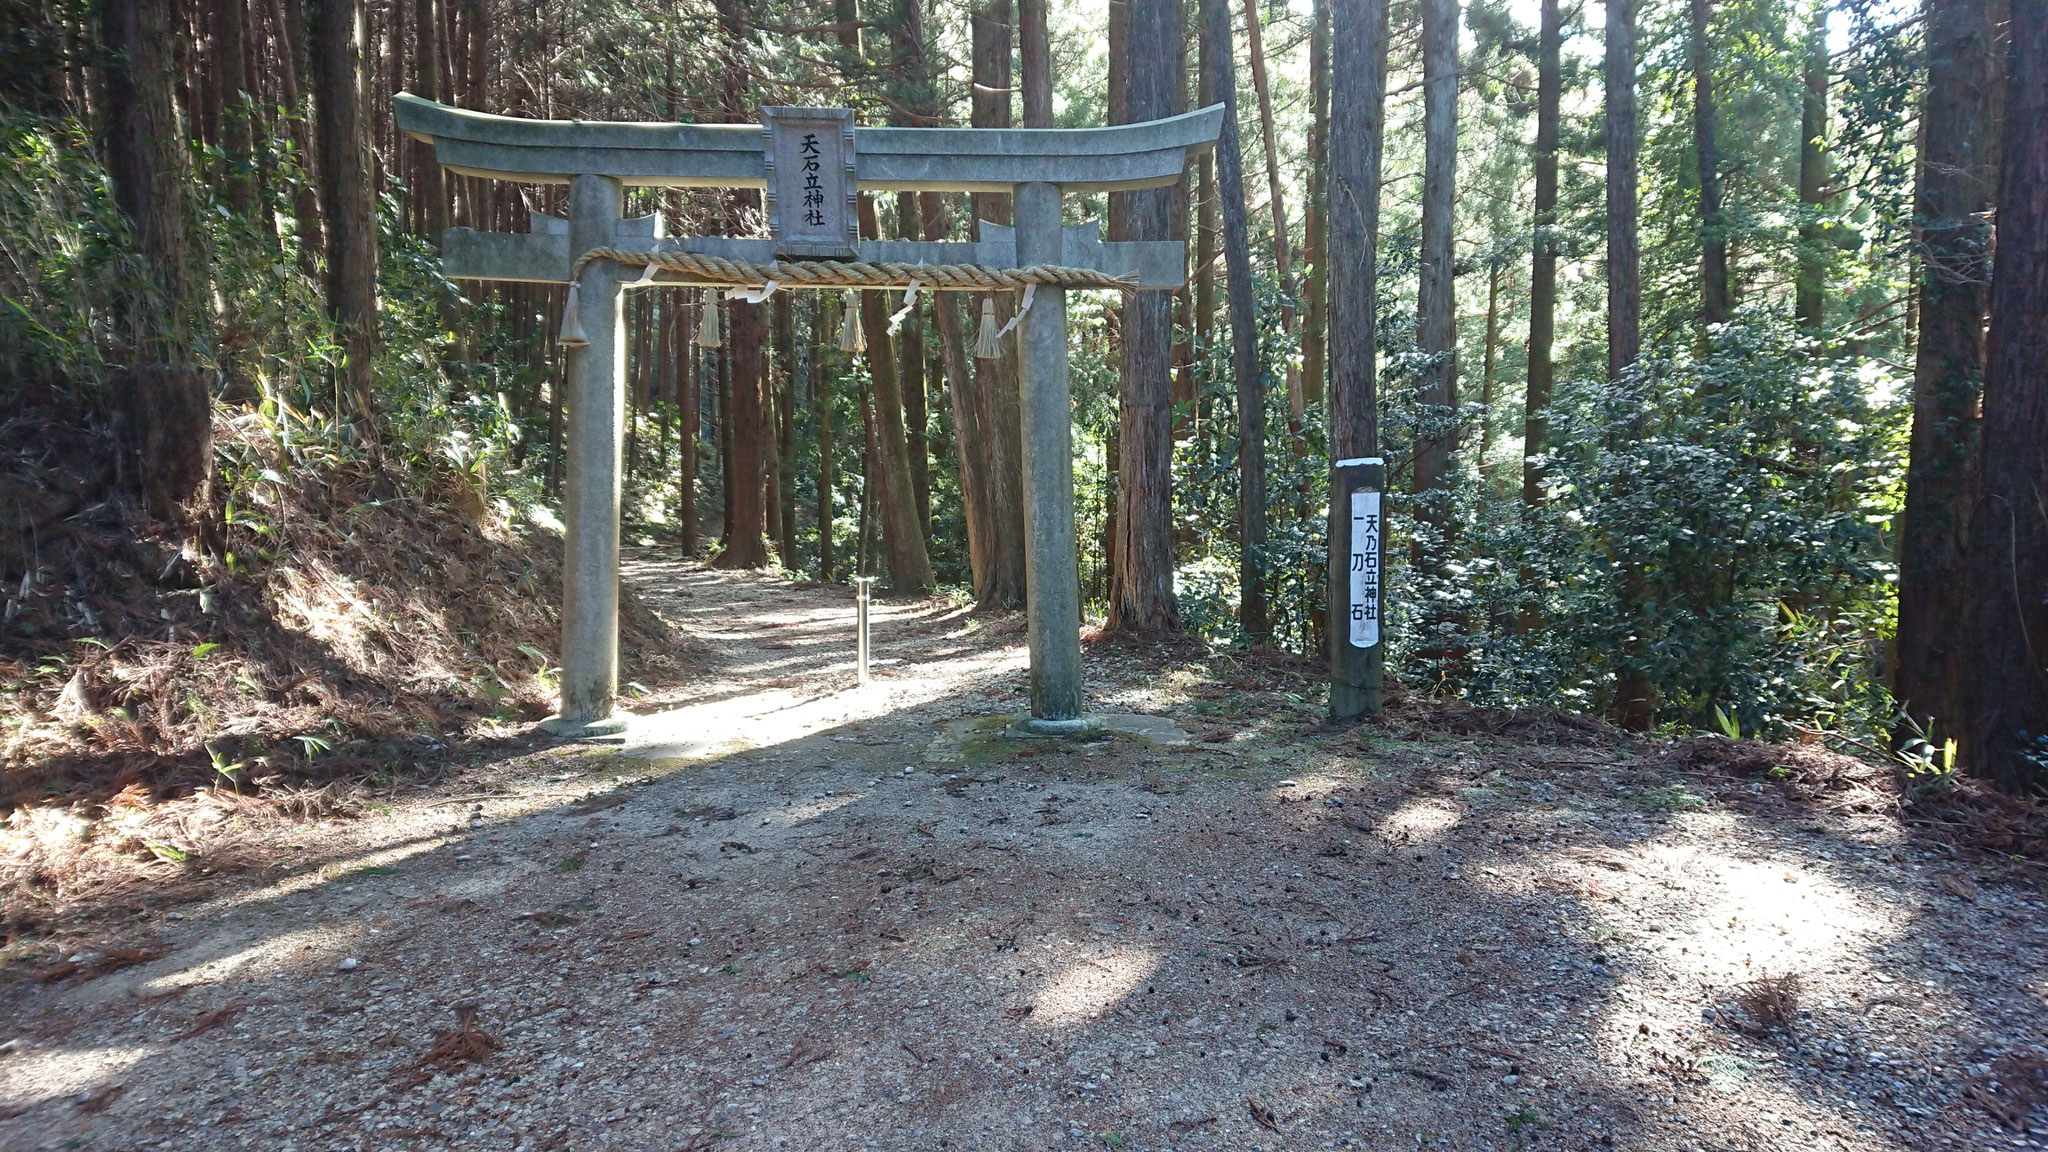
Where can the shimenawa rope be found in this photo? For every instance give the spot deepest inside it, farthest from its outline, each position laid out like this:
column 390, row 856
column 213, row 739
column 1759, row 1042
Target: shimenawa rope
column 860, row 274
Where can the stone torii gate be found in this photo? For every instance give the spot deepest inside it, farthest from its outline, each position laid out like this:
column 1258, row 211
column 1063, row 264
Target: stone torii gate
column 812, row 163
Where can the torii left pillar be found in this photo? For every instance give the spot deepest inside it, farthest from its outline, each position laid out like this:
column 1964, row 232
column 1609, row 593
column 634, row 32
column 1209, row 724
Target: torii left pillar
column 1052, row 578
column 590, row 500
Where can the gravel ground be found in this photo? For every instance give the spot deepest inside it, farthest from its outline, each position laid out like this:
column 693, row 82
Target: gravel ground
column 789, row 912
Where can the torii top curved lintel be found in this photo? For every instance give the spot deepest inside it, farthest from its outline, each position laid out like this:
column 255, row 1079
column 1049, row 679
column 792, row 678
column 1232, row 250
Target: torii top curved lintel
column 1119, row 158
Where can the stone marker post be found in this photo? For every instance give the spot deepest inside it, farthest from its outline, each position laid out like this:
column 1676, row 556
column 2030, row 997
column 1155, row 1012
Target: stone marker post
column 1052, row 579
column 590, row 500
column 1357, row 593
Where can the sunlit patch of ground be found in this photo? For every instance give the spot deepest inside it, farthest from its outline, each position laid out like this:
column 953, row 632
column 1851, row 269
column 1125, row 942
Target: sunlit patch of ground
column 47, row 1076
column 1089, row 986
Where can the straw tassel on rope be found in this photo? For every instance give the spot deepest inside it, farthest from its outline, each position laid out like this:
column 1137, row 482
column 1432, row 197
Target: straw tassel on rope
column 707, row 328
column 570, row 335
column 851, row 339
column 985, row 346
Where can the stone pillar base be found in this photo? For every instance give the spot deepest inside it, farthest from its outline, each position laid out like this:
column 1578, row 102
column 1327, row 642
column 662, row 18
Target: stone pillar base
column 1031, row 726
column 567, row 729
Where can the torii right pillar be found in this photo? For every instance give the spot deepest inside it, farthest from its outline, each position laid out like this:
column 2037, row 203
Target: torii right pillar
column 1052, row 577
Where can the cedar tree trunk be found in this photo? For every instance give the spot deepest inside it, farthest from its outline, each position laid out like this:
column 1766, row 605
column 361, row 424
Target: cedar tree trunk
column 910, row 566
column 1543, row 264
column 1950, row 210
column 1635, row 696
column 996, row 380
column 1436, row 303
column 1252, row 614
column 343, row 138
column 1716, row 307
column 1142, row 598
column 2004, row 686
column 1808, row 298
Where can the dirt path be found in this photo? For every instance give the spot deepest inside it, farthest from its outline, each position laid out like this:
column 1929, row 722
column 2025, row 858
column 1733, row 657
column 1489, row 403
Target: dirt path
column 793, row 913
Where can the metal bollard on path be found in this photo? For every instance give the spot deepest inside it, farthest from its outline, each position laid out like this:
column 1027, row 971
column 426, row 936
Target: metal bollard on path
column 865, row 585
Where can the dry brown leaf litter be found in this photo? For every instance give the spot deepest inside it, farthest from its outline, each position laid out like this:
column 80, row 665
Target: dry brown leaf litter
column 362, row 611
